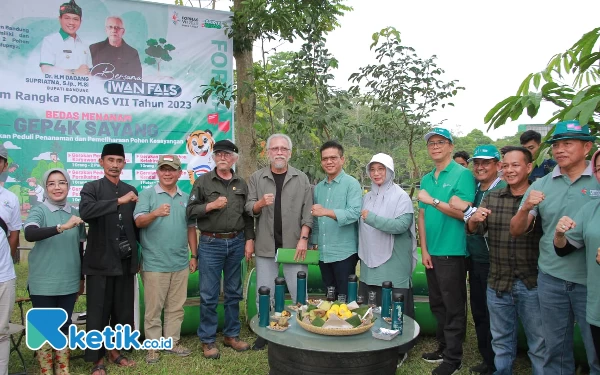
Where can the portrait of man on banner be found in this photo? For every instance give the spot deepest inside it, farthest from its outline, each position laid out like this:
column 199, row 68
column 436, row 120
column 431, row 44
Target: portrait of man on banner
column 113, row 58
column 64, row 52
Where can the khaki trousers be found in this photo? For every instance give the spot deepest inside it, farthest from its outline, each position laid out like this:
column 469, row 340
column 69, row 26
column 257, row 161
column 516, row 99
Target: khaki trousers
column 166, row 290
column 7, row 304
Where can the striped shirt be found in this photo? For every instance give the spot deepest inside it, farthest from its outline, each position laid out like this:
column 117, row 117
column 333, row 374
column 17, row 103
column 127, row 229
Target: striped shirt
column 510, row 257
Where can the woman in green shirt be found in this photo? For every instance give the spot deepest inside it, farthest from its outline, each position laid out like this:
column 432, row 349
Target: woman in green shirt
column 55, row 278
column 386, row 236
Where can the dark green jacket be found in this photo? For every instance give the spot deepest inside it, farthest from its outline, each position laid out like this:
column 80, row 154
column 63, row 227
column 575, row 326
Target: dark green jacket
column 230, row 218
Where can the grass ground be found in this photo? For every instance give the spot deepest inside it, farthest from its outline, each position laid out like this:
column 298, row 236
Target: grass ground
column 231, row 362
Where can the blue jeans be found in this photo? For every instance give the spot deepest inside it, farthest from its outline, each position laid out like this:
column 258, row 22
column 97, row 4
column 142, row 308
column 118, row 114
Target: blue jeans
column 562, row 303
column 217, row 255
column 505, row 309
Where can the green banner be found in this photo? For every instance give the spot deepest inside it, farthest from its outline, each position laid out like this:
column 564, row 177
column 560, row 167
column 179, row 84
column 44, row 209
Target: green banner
column 75, row 76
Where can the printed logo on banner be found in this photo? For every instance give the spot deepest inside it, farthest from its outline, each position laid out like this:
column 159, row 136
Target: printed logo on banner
column 185, row 21
column 213, row 24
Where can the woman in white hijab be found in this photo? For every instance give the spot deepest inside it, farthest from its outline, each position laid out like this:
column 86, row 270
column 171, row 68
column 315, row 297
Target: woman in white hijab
column 387, row 241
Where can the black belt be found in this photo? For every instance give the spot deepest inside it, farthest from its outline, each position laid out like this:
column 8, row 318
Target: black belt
column 224, row 235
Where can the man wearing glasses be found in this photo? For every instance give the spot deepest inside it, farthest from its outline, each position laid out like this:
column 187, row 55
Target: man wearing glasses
column 443, row 248
column 165, row 235
column 280, row 197
column 113, row 58
column 486, row 165
column 226, row 233
column 338, row 200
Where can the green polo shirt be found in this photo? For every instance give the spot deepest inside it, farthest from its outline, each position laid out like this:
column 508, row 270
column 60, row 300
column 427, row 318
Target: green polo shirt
column 446, row 235
column 562, row 198
column 337, row 239
column 164, row 242
column 586, row 234
column 54, row 263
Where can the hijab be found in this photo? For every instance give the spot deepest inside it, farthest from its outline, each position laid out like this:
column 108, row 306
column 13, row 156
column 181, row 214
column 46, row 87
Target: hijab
column 389, row 201
column 62, row 203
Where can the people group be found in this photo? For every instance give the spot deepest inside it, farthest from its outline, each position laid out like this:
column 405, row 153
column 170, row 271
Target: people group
column 524, row 237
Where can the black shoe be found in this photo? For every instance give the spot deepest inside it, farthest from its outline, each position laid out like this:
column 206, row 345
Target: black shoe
column 259, row 344
column 434, row 357
column 447, row 368
column 481, row 368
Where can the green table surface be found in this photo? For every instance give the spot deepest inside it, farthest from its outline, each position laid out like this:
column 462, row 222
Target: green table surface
column 299, row 338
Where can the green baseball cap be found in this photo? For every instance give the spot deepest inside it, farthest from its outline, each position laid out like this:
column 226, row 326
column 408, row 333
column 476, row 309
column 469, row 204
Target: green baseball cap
column 571, row 130
column 441, row 132
column 485, row 152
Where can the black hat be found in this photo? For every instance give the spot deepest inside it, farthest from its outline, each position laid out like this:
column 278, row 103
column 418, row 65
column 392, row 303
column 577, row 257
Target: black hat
column 71, row 8
column 115, row 149
column 225, row 145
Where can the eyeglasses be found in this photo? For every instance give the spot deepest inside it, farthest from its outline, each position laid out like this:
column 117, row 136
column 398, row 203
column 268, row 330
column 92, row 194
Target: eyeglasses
column 433, row 144
column 330, row 158
column 223, row 154
column 279, row 149
column 168, row 170
column 115, row 28
column 62, row 184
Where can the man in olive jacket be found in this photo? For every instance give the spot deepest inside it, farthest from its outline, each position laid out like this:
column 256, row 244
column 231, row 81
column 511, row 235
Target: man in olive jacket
column 280, row 197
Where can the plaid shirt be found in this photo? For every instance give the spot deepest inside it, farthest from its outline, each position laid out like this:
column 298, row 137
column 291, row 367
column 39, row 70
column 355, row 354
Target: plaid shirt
column 510, row 257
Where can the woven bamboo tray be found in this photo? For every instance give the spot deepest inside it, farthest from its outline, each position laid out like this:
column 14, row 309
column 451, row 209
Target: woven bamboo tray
column 334, row 332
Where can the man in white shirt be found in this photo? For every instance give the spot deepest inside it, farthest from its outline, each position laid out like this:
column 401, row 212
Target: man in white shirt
column 64, row 52
column 10, row 222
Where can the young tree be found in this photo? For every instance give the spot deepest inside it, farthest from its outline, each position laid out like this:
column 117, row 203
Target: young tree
column 403, row 90
column 270, row 20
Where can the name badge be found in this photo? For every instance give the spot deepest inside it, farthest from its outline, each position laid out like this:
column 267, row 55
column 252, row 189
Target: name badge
column 67, row 51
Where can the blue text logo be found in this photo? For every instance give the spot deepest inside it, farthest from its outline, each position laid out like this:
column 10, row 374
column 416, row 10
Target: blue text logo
column 43, row 325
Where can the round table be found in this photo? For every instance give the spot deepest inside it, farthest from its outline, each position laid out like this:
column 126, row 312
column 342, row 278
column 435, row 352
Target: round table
column 297, row 351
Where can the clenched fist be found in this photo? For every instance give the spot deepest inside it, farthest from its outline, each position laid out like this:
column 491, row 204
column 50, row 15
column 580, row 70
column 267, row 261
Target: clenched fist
column 425, row 197
column 163, row 210
column 564, row 224
column 221, row 202
column 480, row 215
column 535, row 197
column 129, row 197
column 268, row 199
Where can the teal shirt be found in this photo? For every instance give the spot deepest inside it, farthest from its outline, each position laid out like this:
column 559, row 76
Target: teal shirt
column 164, row 242
column 477, row 246
column 446, row 235
column 397, row 269
column 337, row 239
column 586, row 234
column 54, row 263
column 562, row 198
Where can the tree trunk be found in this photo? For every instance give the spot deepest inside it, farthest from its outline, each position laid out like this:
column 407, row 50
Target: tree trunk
column 245, row 110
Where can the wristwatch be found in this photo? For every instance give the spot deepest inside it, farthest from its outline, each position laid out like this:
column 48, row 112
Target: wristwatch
column 304, row 238
column 59, row 228
column 436, row 202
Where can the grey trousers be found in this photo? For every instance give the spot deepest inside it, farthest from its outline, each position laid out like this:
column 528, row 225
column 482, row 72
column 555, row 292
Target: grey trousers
column 267, row 270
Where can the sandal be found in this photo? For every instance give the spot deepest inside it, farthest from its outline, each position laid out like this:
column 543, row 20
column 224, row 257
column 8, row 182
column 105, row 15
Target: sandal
column 117, row 361
column 100, row 368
